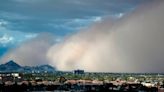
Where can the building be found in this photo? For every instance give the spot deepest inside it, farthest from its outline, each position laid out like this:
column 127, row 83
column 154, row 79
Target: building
column 10, row 76
column 78, row 71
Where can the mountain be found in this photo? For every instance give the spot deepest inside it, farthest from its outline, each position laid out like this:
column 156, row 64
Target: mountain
column 11, row 66
column 39, row 69
column 46, row 67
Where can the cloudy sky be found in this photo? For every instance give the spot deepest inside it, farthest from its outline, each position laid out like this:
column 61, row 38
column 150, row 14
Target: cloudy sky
column 94, row 35
column 21, row 20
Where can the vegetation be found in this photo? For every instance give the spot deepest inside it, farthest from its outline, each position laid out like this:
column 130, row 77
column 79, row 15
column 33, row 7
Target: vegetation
column 94, row 76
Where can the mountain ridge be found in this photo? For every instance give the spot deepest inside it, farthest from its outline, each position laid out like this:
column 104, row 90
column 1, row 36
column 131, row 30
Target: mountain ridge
column 12, row 66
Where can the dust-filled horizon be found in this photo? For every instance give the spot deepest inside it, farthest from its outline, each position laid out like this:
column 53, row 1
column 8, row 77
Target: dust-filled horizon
column 112, row 36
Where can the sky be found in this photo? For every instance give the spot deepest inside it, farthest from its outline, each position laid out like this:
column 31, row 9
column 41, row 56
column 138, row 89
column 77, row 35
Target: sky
column 80, row 34
column 21, row 20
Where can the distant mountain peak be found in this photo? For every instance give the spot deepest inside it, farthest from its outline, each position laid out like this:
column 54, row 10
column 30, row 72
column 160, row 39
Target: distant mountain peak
column 10, row 66
column 12, row 63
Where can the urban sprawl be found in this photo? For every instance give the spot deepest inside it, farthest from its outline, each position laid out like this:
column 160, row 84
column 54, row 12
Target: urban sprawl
column 80, row 81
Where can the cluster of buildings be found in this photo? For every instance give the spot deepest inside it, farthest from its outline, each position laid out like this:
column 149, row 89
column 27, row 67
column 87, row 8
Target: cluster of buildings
column 13, row 81
column 10, row 76
column 77, row 85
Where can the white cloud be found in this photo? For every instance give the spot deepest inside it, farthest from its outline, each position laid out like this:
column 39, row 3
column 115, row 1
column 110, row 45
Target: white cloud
column 30, row 36
column 96, row 19
column 120, row 15
column 13, row 38
column 86, row 20
column 6, row 39
column 3, row 23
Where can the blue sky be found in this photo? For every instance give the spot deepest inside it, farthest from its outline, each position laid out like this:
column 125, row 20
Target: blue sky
column 21, row 20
